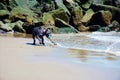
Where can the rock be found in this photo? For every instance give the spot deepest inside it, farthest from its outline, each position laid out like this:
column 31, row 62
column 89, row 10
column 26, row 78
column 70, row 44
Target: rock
column 48, row 19
column 114, row 22
column 94, row 27
column 60, row 24
column 115, row 26
column 86, row 4
column 108, row 2
column 4, row 14
column 102, row 18
column 46, row 7
column 25, row 3
column 2, row 6
column 22, row 14
column 98, row 1
column 32, row 3
column 61, row 14
column 104, row 29
column 82, row 28
column 71, row 1
column 2, row 31
column 114, row 10
column 61, row 5
column 88, row 15
column 7, row 20
column 107, row 17
column 69, row 4
column 76, row 15
column 18, row 27
column 115, row 3
column 1, row 23
column 28, row 27
column 6, row 27
column 65, row 24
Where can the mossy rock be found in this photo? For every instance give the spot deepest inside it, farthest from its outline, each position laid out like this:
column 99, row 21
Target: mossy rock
column 6, row 27
column 1, row 23
column 61, row 14
column 4, row 12
column 104, row 29
column 102, row 18
column 18, row 27
column 48, row 19
column 65, row 30
column 86, row 3
column 22, row 13
column 77, row 15
column 88, row 15
column 3, row 6
column 82, row 28
column 107, row 17
column 61, row 5
column 98, row 1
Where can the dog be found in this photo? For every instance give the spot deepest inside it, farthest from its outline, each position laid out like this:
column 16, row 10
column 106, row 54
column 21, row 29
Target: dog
column 39, row 33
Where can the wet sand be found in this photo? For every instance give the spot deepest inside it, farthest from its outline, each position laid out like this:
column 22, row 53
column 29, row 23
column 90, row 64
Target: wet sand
column 19, row 60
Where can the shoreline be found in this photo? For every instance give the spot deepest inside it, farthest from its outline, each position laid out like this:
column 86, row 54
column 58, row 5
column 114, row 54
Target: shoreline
column 22, row 61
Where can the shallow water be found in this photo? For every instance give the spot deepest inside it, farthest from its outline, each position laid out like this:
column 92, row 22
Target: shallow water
column 97, row 41
column 92, row 48
column 95, row 48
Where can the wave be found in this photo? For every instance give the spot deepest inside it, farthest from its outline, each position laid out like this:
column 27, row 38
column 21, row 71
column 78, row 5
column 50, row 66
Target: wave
column 107, row 42
column 110, row 50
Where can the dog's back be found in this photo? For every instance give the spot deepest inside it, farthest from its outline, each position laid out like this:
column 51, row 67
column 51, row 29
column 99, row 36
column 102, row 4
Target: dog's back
column 36, row 31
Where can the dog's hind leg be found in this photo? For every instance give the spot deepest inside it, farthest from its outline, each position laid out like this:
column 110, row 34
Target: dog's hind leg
column 39, row 39
column 33, row 39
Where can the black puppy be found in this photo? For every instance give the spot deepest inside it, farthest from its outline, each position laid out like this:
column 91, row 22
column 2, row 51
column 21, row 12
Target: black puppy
column 39, row 33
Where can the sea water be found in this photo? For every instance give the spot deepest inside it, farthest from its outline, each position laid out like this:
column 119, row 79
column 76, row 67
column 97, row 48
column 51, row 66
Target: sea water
column 95, row 48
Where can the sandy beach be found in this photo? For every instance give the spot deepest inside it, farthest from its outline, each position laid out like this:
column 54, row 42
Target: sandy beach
column 19, row 60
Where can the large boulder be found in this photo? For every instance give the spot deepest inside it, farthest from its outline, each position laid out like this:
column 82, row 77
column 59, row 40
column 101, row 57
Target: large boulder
column 88, row 15
column 4, row 14
column 85, row 4
column 61, row 5
column 48, row 19
column 76, row 15
column 69, row 4
column 102, row 18
column 71, row 1
column 115, row 26
column 1, row 23
column 94, row 27
column 107, row 17
column 18, row 27
column 115, row 3
column 2, row 6
column 114, row 10
column 61, row 14
column 6, row 27
column 24, row 3
column 22, row 14
column 82, row 28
